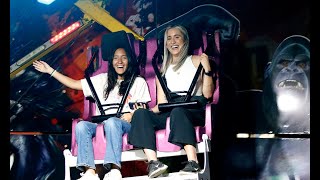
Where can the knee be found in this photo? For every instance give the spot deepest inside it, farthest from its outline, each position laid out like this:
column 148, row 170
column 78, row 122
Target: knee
column 81, row 126
column 139, row 115
column 177, row 111
column 111, row 123
column 178, row 116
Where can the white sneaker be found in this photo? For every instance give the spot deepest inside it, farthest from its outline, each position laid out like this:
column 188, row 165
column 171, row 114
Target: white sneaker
column 114, row 174
column 89, row 176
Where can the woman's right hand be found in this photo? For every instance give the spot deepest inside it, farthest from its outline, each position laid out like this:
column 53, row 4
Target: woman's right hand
column 155, row 109
column 42, row 66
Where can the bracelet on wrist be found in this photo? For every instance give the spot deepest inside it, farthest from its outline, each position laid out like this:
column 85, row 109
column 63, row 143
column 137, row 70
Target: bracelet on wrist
column 52, row 73
column 209, row 73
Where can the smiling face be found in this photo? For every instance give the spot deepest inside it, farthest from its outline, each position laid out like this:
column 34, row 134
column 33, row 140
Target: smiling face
column 120, row 62
column 174, row 41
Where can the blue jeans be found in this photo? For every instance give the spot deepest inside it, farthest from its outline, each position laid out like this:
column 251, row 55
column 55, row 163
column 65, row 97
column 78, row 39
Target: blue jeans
column 114, row 129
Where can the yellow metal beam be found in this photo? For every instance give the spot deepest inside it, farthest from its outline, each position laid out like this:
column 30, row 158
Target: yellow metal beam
column 103, row 17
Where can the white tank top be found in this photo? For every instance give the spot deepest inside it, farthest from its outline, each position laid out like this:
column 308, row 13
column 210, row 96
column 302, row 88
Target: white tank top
column 181, row 79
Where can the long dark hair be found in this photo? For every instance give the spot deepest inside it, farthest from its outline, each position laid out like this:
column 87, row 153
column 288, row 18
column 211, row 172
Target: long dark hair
column 113, row 76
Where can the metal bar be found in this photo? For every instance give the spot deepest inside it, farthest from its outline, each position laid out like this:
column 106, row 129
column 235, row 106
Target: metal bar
column 94, row 93
column 123, row 99
column 193, row 84
column 103, row 17
column 161, row 81
column 43, row 50
column 34, row 133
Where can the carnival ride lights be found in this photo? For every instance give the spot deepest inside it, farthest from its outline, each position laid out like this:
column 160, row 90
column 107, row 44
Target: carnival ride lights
column 65, row 32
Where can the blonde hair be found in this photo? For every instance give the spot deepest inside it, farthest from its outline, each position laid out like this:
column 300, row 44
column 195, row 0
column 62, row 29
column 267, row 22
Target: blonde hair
column 184, row 50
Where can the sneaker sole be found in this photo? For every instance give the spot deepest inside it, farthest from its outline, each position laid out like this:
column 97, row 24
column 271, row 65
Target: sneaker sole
column 159, row 171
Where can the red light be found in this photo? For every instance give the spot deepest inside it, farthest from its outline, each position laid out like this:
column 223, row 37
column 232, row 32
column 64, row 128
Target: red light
column 54, row 121
column 65, row 32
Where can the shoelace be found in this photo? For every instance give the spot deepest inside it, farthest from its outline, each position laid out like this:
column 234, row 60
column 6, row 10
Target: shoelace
column 149, row 164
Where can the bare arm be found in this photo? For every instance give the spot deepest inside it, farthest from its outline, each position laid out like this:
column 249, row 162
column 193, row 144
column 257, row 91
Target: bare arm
column 207, row 84
column 161, row 98
column 207, row 81
column 65, row 80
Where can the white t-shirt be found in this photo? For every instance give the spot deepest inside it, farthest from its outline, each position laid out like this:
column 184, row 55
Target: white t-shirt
column 181, row 79
column 139, row 92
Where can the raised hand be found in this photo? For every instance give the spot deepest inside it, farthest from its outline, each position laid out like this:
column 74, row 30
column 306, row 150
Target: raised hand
column 42, row 67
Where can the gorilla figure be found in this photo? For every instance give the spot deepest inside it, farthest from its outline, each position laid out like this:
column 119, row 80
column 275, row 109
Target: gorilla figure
column 286, row 105
column 286, row 96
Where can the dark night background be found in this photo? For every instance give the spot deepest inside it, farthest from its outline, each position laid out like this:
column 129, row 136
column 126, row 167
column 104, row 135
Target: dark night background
column 49, row 107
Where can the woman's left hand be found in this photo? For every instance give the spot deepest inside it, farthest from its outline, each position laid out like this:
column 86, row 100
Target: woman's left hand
column 204, row 60
column 139, row 106
column 126, row 117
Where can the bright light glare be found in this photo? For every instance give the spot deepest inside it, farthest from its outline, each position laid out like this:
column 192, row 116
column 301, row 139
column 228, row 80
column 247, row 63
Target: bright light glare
column 47, row 2
column 287, row 102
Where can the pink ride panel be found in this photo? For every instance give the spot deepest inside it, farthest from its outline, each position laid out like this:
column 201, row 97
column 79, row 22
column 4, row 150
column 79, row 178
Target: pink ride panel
column 99, row 142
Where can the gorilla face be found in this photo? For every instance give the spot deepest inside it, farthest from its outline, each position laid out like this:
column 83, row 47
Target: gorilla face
column 286, row 92
column 290, row 75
